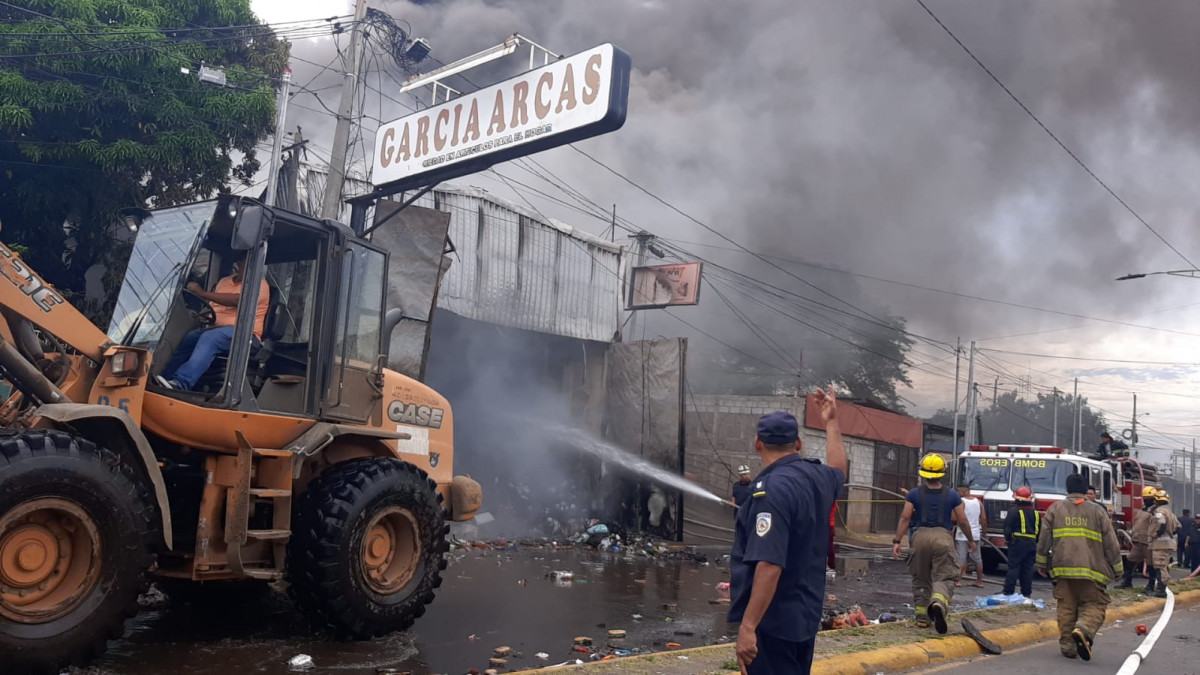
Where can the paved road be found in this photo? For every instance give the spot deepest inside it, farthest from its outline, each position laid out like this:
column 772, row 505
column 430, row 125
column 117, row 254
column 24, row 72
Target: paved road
column 1177, row 651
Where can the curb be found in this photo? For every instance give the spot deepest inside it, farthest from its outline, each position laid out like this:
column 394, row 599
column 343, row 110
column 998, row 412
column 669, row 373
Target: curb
column 931, row 651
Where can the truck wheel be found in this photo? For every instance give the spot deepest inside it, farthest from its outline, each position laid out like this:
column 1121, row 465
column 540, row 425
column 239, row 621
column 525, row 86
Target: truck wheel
column 368, row 547
column 76, row 526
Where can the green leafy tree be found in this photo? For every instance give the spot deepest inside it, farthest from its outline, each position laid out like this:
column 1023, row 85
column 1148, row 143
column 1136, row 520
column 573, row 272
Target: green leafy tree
column 96, row 116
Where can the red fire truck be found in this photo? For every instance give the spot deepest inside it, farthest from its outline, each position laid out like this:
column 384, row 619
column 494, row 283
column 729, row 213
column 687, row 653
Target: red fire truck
column 993, row 472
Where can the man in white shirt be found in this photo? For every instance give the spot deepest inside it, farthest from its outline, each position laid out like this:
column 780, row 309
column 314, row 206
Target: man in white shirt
column 977, row 519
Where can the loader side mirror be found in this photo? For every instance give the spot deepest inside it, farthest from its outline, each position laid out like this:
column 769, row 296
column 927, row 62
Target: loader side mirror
column 252, row 225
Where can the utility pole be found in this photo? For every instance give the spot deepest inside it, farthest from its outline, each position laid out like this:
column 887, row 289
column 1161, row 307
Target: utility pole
column 996, row 392
column 1074, row 437
column 642, row 239
column 970, row 425
column 331, row 203
column 1192, row 492
column 277, row 145
column 1055, row 441
column 957, row 359
column 1133, row 440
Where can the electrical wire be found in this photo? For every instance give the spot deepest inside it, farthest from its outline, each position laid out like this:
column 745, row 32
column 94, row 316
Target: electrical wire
column 1051, row 134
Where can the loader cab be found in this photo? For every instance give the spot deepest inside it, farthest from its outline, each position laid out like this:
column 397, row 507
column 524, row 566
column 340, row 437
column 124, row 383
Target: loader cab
column 307, row 325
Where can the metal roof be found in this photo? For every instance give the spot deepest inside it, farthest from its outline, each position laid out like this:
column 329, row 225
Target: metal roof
column 514, row 267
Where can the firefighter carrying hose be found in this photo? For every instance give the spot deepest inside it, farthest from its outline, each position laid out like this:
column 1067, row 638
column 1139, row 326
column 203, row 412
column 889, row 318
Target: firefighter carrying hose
column 1142, row 533
column 932, row 562
column 1021, row 529
column 1165, row 525
column 1078, row 549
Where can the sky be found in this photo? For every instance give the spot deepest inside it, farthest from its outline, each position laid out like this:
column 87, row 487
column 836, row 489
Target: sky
column 862, row 137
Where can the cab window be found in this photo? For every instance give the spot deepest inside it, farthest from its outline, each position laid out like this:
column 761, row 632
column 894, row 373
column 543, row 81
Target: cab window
column 985, row 473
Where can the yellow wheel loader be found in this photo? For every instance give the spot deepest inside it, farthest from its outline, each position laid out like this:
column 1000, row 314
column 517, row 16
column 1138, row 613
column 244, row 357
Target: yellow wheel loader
column 236, row 422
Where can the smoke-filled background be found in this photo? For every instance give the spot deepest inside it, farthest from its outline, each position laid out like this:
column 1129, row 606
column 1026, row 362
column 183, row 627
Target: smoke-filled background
column 862, row 138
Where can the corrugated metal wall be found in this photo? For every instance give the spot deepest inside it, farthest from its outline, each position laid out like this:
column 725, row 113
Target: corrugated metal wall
column 513, row 268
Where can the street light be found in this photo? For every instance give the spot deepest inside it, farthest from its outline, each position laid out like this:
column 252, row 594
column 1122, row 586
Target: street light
column 1192, row 274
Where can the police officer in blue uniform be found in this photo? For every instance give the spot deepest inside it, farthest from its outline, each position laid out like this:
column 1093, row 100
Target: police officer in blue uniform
column 781, row 543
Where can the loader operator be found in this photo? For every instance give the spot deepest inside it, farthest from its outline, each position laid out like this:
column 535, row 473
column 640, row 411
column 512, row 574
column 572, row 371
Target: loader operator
column 932, row 562
column 1142, row 534
column 1078, row 549
column 200, row 346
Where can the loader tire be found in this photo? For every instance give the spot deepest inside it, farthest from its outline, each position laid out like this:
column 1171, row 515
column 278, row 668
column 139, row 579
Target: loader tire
column 368, row 547
column 77, row 526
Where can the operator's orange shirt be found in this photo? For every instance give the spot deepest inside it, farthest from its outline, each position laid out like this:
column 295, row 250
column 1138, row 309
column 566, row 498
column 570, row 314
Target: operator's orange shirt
column 227, row 316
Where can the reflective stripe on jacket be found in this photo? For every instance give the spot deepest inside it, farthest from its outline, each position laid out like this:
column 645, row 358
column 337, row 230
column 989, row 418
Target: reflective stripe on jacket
column 1078, row 541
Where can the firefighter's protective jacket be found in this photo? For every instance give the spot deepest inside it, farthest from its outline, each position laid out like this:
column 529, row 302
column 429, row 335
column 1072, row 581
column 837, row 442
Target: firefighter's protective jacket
column 1144, row 527
column 1163, row 518
column 1078, row 541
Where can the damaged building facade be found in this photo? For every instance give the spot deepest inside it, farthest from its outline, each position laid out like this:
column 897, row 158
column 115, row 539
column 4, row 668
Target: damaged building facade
column 520, row 335
column 882, row 447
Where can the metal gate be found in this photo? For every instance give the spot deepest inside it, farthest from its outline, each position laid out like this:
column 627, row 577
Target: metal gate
column 895, row 468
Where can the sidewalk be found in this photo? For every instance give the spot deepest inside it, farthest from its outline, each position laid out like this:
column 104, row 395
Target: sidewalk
column 894, row 646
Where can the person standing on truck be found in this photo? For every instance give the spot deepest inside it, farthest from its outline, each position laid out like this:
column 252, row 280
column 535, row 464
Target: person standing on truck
column 1109, row 448
column 1021, row 529
column 777, row 566
column 977, row 519
column 1142, row 534
column 1163, row 544
column 741, row 489
column 931, row 560
column 1078, row 549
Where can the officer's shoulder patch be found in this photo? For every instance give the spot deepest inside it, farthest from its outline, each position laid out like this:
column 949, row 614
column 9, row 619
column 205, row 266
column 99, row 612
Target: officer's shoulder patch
column 762, row 524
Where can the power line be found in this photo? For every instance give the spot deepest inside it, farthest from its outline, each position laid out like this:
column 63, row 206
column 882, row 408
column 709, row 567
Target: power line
column 1062, row 145
column 1086, row 358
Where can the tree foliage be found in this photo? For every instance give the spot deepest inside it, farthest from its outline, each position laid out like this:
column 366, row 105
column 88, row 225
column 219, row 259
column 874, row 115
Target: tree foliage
column 1014, row 419
column 96, row 116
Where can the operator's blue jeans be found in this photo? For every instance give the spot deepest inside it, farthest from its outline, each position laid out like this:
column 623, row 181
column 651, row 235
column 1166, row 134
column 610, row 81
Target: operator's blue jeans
column 195, row 354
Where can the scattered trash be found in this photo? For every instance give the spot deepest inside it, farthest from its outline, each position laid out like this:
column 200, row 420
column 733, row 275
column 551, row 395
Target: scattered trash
column 583, row 640
column 673, row 645
column 852, row 617
column 621, row 652
column 616, row 634
column 832, row 598
column 501, row 652
column 1141, row 629
column 497, row 663
column 1000, row 600
column 719, row 601
column 562, row 575
column 681, row 657
column 637, row 617
column 472, row 637
column 723, row 586
column 888, row 618
column 300, row 662
column 977, row 635
column 671, row 606
column 581, row 649
column 541, row 656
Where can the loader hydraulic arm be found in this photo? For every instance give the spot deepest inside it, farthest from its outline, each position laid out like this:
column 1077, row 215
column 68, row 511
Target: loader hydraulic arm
column 23, row 293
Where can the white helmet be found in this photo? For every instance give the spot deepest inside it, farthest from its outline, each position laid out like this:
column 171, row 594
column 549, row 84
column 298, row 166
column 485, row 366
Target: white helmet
column 743, row 469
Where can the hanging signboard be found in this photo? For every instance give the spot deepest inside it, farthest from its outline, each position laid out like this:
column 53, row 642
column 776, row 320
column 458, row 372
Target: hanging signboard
column 562, row 102
column 665, row 286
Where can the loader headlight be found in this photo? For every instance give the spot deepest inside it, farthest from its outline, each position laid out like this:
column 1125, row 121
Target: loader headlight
column 125, row 364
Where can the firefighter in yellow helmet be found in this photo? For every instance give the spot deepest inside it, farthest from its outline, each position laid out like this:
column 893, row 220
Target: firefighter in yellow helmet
column 1164, row 526
column 930, row 514
column 1078, row 549
column 1142, row 533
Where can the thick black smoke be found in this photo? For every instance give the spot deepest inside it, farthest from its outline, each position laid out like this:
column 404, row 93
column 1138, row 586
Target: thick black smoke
column 860, row 136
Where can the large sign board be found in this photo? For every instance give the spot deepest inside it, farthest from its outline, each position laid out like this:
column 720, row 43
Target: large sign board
column 665, row 286
column 562, row 102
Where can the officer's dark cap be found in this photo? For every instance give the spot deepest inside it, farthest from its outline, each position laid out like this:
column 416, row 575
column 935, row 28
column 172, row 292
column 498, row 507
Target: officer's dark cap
column 778, row 428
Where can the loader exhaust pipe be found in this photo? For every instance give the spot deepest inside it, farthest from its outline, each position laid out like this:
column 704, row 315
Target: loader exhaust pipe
column 26, row 376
